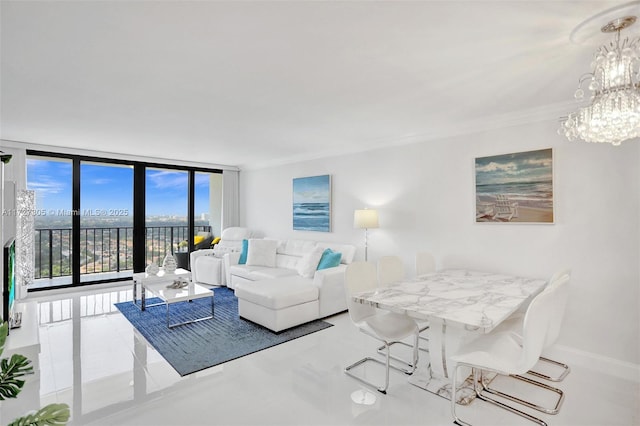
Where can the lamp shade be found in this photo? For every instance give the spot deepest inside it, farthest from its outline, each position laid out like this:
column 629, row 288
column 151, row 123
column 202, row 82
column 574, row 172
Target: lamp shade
column 365, row 218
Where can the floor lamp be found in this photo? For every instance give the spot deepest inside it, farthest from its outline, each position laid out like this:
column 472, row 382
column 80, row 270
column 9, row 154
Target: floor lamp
column 365, row 219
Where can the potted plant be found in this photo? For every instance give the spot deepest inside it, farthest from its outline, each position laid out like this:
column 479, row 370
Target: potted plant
column 12, row 370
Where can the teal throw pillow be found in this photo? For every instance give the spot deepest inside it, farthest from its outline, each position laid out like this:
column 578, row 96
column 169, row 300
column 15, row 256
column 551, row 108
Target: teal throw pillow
column 329, row 259
column 243, row 255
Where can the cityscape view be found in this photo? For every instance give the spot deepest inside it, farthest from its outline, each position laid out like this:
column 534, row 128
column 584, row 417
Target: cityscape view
column 106, row 215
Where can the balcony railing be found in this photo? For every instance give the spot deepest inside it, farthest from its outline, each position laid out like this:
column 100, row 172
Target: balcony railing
column 103, row 249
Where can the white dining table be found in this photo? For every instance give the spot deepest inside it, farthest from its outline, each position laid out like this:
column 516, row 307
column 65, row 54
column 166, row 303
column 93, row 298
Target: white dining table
column 459, row 305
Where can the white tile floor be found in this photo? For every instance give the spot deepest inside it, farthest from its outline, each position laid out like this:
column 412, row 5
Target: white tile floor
column 93, row 359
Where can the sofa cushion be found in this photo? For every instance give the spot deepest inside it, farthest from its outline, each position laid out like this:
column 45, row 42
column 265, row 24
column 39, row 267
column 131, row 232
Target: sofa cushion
column 286, row 261
column 262, row 253
column 309, row 262
column 254, row 273
column 296, row 247
column 329, row 259
column 269, row 273
column 243, row 254
column 243, row 271
column 278, row 294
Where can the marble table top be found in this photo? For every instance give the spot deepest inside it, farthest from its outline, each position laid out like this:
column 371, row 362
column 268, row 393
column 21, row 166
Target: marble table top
column 473, row 300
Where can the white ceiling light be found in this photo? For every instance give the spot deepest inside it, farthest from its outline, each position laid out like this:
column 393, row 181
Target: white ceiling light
column 613, row 115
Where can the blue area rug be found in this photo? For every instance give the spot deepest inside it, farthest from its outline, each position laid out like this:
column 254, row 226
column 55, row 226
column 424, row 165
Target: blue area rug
column 194, row 347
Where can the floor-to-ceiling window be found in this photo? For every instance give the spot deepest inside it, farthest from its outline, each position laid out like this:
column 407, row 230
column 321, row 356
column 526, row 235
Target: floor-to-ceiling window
column 207, row 202
column 52, row 180
column 95, row 208
column 106, row 221
column 167, row 217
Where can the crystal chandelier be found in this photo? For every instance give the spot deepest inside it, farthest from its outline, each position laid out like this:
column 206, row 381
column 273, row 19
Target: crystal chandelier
column 614, row 113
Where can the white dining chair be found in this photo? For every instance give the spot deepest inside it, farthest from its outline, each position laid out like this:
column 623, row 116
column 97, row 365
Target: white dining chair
column 514, row 325
column 390, row 270
column 503, row 354
column 384, row 326
column 556, row 325
column 425, row 263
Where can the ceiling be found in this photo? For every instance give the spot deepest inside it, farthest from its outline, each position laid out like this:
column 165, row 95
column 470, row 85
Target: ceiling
column 262, row 83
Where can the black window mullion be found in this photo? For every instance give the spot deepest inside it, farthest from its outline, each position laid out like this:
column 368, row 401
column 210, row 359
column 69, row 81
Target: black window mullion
column 192, row 211
column 75, row 221
column 139, row 218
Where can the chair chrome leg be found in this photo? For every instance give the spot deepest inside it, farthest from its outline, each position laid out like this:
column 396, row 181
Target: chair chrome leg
column 386, row 376
column 482, row 397
column 360, row 379
column 559, row 378
column 456, row 419
column 386, row 363
column 382, row 348
column 537, row 407
column 512, row 409
column 381, row 351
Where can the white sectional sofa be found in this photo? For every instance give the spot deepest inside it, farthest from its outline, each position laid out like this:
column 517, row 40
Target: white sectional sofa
column 282, row 289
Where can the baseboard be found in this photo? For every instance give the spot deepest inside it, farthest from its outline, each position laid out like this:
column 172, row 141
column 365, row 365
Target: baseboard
column 614, row 367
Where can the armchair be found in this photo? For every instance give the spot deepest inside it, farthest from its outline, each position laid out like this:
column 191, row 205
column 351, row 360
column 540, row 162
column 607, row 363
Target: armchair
column 207, row 265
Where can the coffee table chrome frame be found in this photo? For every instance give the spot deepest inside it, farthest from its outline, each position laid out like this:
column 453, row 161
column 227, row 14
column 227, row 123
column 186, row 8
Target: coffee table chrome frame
column 143, row 305
column 169, row 325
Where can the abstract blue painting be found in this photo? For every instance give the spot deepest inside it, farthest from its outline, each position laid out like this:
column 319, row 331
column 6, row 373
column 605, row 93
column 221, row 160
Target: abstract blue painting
column 312, row 203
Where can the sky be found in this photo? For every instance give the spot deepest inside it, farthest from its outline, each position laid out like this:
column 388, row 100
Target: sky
column 314, row 189
column 530, row 166
column 110, row 188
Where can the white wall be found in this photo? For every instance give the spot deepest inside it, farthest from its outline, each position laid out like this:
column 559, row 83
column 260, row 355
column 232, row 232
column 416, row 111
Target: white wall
column 425, row 197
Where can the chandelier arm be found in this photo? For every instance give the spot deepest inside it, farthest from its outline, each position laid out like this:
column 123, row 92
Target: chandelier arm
column 583, row 77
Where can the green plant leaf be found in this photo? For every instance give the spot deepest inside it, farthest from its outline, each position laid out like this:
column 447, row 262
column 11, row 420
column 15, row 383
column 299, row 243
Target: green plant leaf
column 10, row 370
column 51, row 415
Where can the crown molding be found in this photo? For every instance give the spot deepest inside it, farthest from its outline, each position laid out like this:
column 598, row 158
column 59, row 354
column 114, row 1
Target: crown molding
column 546, row 113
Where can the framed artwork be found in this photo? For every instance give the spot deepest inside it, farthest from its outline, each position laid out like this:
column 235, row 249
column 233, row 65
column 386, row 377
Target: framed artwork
column 312, row 203
column 515, row 188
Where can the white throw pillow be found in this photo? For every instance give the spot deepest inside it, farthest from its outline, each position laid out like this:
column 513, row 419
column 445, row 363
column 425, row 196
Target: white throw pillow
column 262, row 253
column 309, row 263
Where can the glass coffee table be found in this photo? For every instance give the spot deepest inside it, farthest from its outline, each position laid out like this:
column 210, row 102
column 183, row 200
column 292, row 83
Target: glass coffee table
column 158, row 286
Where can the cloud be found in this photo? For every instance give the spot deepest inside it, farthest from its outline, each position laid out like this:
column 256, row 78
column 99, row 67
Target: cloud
column 168, row 179
column 540, row 162
column 47, row 185
column 497, row 167
column 101, row 181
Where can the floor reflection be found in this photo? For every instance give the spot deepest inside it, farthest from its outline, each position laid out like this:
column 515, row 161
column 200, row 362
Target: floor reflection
column 95, row 361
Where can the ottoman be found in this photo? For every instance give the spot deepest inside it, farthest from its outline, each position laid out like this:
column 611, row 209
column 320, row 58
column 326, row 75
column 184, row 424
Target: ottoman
column 278, row 303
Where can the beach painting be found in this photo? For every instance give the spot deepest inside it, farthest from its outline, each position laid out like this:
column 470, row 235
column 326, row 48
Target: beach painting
column 312, row 203
column 515, row 188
